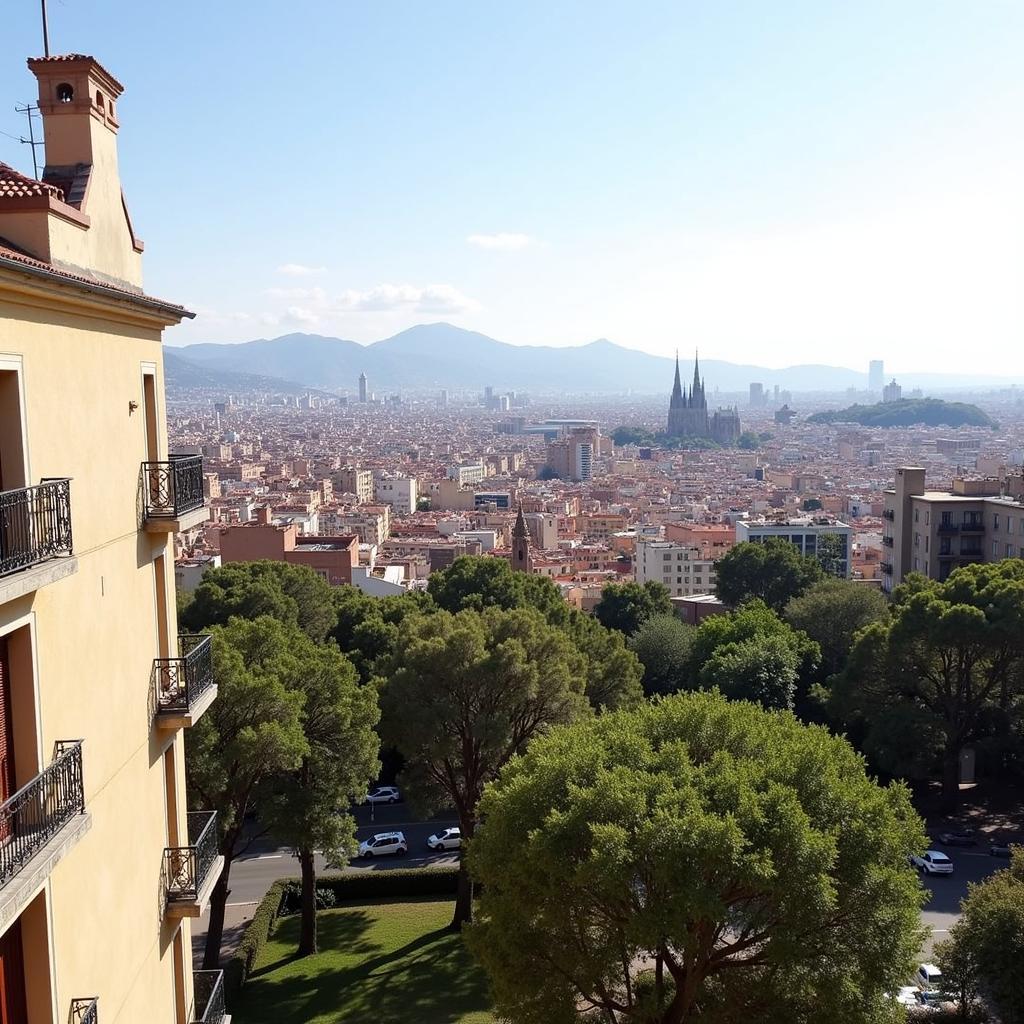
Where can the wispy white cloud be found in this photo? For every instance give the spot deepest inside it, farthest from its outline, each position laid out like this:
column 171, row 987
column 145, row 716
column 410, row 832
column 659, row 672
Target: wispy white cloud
column 502, row 241
column 299, row 270
column 301, row 315
column 389, row 298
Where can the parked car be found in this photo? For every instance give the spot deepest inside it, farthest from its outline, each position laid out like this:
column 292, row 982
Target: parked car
column 906, row 996
column 384, row 843
column 928, row 977
column 999, row 850
column 383, row 795
column 932, row 862
column 446, row 839
column 965, row 837
column 932, row 1002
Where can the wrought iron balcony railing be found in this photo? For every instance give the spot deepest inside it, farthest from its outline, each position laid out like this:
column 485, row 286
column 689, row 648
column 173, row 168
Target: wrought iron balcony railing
column 39, row 810
column 84, row 1011
column 948, row 527
column 972, row 526
column 886, row 568
column 179, row 683
column 888, row 541
column 208, row 1007
column 172, row 488
column 889, row 514
column 187, row 868
column 35, row 524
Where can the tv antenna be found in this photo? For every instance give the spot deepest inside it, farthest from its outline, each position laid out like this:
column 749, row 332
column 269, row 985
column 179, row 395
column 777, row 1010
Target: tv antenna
column 31, row 112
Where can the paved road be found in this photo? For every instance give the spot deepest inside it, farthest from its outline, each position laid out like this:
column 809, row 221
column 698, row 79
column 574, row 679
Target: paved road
column 941, row 911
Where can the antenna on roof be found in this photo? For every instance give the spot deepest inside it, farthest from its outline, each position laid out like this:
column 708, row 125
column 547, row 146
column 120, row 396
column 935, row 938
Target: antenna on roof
column 46, row 31
column 30, row 111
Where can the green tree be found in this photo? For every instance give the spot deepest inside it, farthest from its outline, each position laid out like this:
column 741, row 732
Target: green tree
column 773, row 571
column 423, row 504
column 694, row 859
column 465, row 693
column 811, row 504
column 832, row 555
column 951, row 657
column 748, row 441
column 627, row 606
column 613, row 672
column 762, row 669
column 662, row 644
column 831, row 613
column 482, row 581
column 985, row 947
column 309, row 808
column 290, row 593
column 752, row 654
column 252, row 732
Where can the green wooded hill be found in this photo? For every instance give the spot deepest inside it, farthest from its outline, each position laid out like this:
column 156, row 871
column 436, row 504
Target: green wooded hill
column 932, row 412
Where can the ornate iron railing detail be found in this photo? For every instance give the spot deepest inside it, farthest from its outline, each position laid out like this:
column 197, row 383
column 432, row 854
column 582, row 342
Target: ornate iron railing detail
column 35, row 524
column 889, row 514
column 172, row 488
column 208, row 1007
column 180, row 682
column 84, row 1011
column 188, row 867
column 40, row 809
column 886, row 568
column 888, row 541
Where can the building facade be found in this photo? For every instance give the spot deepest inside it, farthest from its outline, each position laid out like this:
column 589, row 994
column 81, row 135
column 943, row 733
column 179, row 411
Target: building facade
column 805, row 533
column 101, row 865
column 684, row 569
column 936, row 532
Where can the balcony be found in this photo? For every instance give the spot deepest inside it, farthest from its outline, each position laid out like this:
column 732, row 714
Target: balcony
column 972, row 526
column 183, row 687
column 947, row 528
column 886, row 568
column 888, row 541
column 38, row 825
column 889, row 513
column 35, row 537
column 84, row 1011
column 190, row 872
column 208, row 1002
column 172, row 494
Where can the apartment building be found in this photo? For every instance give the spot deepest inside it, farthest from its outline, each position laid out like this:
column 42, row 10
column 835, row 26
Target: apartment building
column 397, row 491
column 684, row 569
column 101, row 865
column 355, row 481
column 935, row 532
column 804, row 532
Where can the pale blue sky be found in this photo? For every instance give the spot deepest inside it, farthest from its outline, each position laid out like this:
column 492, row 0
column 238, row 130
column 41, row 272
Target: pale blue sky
column 775, row 182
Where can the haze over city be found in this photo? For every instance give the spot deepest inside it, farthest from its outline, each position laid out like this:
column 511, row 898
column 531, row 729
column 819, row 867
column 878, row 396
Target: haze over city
column 797, row 183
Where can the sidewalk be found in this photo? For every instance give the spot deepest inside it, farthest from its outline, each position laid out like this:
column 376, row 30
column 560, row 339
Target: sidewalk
column 236, row 917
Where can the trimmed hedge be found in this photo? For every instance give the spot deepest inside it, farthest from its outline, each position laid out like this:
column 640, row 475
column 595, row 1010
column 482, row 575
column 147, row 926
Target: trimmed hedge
column 332, row 889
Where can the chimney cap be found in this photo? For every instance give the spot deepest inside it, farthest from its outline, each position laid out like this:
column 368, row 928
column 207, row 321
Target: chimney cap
column 76, row 61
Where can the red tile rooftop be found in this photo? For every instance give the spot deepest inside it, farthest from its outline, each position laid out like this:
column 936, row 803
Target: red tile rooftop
column 17, row 185
column 70, row 58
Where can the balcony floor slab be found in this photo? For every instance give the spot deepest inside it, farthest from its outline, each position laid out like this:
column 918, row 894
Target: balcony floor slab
column 184, row 719
column 186, row 521
column 197, row 907
column 27, row 581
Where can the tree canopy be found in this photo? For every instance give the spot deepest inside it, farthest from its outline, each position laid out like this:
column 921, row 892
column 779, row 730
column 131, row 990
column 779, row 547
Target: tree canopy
column 663, row 644
column 831, row 613
column 289, row 593
column 694, row 859
column 931, row 411
column 752, row 654
column 772, row 570
column 482, row 581
column 627, row 606
column 948, row 665
column 464, row 693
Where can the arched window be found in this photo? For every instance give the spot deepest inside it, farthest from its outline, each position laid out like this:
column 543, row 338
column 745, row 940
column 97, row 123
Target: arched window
column 99, row 100
column 65, row 92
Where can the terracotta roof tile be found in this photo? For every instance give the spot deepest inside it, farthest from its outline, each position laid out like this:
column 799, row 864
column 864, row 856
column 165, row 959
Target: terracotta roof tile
column 17, row 185
column 10, row 253
column 67, row 58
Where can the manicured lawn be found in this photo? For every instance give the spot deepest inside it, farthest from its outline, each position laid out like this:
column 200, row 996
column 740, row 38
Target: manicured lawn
column 378, row 964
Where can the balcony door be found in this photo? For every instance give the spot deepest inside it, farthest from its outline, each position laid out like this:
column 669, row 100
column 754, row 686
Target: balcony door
column 13, row 1005
column 6, row 736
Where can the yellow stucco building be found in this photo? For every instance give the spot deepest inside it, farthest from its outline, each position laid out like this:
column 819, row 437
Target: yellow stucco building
column 101, row 865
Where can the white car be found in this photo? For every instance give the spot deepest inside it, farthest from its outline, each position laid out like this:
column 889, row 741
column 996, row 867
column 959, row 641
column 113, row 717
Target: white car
column 384, row 843
column 928, row 977
column 383, row 795
column 906, row 996
column 446, row 839
column 932, row 862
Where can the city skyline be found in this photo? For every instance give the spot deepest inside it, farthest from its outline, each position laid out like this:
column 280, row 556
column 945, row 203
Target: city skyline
column 547, row 177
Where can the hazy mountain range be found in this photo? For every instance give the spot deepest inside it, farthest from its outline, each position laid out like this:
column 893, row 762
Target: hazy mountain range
column 432, row 356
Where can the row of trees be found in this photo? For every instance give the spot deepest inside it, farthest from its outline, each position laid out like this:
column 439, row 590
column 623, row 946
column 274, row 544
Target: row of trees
column 456, row 682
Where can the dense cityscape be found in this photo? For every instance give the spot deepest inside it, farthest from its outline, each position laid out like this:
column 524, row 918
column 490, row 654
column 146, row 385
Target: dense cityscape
column 430, row 677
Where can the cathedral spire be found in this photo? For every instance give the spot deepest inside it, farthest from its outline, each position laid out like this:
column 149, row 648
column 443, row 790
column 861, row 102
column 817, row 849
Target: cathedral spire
column 697, row 386
column 520, row 543
column 677, row 389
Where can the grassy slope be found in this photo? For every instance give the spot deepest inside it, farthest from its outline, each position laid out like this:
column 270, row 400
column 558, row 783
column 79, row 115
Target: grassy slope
column 379, row 963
